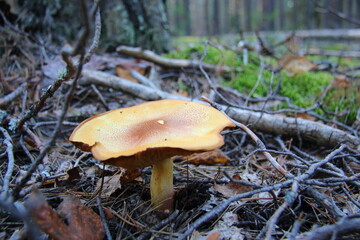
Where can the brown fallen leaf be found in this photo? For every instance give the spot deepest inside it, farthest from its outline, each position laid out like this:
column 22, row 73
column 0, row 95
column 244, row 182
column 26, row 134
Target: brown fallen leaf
column 181, row 93
column 206, row 158
column 113, row 183
column 340, row 81
column 213, row 236
column 306, row 116
column 82, row 222
column 63, row 178
column 123, row 69
column 232, row 188
column 295, row 64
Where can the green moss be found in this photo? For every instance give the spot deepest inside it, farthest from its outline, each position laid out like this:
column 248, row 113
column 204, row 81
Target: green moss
column 213, row 55
column 182, row 86
column 336, row 47
column 247, row 82
column 303, row 90
column 344, row 61
column 343, row 102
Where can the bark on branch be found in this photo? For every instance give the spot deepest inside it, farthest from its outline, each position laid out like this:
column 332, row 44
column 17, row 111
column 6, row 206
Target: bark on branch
column 168, row 62
column 309, row 130
column 345, row 227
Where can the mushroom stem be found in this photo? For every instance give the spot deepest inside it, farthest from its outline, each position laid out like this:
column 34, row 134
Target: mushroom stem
column 161, row 185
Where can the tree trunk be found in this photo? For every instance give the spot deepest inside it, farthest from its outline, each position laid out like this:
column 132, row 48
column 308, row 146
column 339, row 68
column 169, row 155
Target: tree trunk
column 216, row 18
column 149, row 19
column 125, row 22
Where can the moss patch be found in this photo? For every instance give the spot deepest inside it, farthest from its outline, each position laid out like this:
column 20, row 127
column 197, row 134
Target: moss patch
column 214, row 56
column 303, row 90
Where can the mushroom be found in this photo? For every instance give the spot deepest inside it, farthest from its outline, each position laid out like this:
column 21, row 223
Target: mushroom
column 149, row 134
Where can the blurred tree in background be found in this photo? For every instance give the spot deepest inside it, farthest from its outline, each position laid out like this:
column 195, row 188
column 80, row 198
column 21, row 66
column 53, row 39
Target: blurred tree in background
column 128, row 22
column 149, row 23
column 217, row 17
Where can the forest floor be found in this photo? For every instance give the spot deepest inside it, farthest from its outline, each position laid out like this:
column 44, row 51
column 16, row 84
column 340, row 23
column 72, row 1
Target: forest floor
column 290, row 170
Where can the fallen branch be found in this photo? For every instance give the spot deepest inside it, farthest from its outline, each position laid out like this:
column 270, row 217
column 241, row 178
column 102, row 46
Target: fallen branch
column 346, row 226
column 224, row 204
column 11, row 96
column 332, row 53
column 11, row 160
column 259, row 144
column 147, row 233
column 117, row 83
column 168, row 62
column 279, row 125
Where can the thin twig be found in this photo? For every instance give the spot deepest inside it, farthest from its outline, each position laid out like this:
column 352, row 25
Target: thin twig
column 295, row 230
column 289, row 199
column 98, row 93
column 222, row 206
column 27, row 152
column 212, row 85
column 259, row 144
column 327, row 203
column 356, row 203
column 71, row 70
column 97, row 34
column 11, row 96
column 348, row 225
column 146, row 234
column 103, row 219
column 18, row 212
column 312, row 169
column 11, row 161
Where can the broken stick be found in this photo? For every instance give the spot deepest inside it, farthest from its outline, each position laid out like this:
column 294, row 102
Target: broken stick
column 168, row 62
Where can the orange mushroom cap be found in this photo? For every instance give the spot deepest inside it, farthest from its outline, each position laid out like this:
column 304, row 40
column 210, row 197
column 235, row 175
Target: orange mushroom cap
column 138, row 136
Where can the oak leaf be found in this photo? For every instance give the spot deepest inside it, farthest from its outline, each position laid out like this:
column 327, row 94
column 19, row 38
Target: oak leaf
column 81, row 223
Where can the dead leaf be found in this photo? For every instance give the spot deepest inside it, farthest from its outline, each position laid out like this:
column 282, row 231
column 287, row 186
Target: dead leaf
column 108, row 214
column 123, row 69
column 213, row 236
column 292, row 43
column 206, row 158
column 82, row 222
column 227, row 227
column 63, row 178
column 306, row 116
column 340, row 82
column 73, row 174
column 113, row 183
column 295, row 64
column 130, row 175
column 195, row 235
column 53, row 68
column 232, row 188
column 180, row 93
